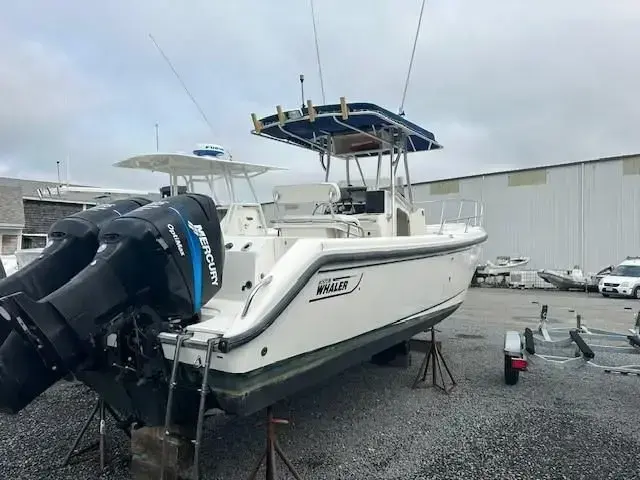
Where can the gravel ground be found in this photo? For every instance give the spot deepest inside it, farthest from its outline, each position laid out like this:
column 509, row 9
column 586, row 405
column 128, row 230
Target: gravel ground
column 368, row 424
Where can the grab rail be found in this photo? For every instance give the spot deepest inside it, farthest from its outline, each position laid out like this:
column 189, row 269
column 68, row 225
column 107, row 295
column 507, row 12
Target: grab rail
column 471, row 220
column 265, row 281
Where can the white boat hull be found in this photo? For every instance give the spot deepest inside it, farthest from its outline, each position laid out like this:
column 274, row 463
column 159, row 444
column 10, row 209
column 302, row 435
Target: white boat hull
column 377, row 294
column 327, row 299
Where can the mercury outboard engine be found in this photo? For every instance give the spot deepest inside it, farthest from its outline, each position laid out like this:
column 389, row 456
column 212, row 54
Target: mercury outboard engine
column 73, row 242
column 166, row 255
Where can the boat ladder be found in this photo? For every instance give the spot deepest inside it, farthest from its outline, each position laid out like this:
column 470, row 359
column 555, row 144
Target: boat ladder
column 201, row 409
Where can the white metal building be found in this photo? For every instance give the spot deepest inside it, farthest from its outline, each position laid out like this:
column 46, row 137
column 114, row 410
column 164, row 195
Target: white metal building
column 582, row 213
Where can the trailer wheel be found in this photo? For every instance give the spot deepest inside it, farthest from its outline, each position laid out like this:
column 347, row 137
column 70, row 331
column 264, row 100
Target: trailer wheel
column 511, row 375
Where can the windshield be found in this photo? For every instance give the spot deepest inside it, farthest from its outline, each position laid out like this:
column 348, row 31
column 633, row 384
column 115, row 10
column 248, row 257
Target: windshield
column 626, row 271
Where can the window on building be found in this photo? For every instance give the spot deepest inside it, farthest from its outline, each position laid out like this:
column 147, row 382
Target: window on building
column 631, row 166
column 9, row 244
column 528, row 177
column 34, row 241
column 446, row 187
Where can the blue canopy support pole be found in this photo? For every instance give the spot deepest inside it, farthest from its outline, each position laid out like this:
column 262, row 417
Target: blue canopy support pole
column 396, row 162
column 328, row 154
column 392, row 181
column 346, row 163
column 378, row 170
column 405, row 157
column 364, row 182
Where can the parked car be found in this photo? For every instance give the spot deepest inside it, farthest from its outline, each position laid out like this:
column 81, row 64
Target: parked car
column 623, row 281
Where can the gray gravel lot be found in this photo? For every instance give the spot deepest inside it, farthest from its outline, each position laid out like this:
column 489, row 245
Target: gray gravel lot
column 368, row 424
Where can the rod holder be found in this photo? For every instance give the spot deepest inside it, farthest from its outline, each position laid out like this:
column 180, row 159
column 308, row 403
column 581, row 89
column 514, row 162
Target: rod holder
column 257, row 124
column 343, row 108
column 281, row 117
column 311, row 111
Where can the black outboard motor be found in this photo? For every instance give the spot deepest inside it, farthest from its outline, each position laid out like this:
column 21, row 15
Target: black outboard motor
column 73, row 242
column 167, row 255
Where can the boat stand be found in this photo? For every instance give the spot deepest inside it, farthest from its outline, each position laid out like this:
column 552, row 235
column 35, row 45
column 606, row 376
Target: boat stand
column 100, row 408
column 437, row 361
column 520, row 350
column 269, row 455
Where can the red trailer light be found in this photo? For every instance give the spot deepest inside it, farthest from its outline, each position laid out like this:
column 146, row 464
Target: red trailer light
column 519, row 363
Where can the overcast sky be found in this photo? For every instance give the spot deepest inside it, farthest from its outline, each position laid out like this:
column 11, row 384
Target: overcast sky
column 501, row 83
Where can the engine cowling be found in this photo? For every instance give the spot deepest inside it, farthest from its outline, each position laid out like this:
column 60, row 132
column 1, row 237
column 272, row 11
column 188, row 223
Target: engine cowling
column 166, row 255
column 72, row 244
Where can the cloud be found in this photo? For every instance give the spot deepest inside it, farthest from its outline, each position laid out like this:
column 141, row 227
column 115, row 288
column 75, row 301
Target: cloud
column 42, row 97
column 499, row 83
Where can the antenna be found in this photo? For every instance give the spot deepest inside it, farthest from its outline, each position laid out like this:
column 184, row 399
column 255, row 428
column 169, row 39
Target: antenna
column 157, row 137
column 315, row 37
column 413, row 54
column 67, row 168
column 302, row 89
column 206, row 120
column 58, row 167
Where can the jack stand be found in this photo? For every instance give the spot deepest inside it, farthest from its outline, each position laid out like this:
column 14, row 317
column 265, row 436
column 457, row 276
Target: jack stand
column 434, row 356
column 270, row 453
column 99, row 408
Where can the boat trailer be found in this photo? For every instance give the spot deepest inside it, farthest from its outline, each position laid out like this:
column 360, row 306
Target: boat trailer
column 520, row 349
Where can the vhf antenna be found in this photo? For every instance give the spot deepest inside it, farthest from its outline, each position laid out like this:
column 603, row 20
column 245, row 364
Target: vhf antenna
column 302, row 89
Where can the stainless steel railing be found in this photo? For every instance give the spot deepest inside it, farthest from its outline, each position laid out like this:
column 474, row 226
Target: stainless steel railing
column 460, row 212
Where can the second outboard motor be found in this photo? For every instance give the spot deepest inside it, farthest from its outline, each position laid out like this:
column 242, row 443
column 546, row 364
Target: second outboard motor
column 167, row 255
column 73, row 242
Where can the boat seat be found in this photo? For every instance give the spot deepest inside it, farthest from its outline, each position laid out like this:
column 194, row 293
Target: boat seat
column 322, row 192
column 327, row 225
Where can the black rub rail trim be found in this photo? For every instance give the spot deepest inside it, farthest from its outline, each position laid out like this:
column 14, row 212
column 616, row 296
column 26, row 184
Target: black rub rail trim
column 228, row 344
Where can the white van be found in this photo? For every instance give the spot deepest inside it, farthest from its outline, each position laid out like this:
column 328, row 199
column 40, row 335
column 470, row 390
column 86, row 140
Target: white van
column 624, row 280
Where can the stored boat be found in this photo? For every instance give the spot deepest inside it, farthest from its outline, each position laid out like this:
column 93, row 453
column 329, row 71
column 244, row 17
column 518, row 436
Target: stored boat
column 194, row 315
column 502, row 266
column 574, row 279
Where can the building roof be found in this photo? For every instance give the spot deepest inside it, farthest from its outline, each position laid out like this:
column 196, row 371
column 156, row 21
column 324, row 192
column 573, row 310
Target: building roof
column 29, row 189
column 11, row 209
column 533, row 167
column 13, row 191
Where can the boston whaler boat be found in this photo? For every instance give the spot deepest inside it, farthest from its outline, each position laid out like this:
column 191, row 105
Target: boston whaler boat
column 194, row 315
